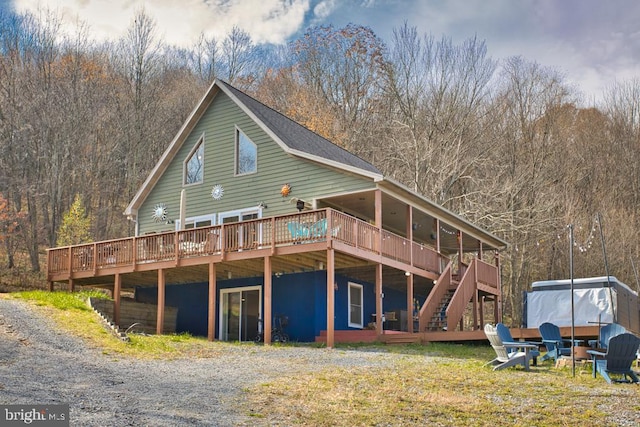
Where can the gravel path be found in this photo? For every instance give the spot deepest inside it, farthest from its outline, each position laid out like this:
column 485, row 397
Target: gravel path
column 41, row 365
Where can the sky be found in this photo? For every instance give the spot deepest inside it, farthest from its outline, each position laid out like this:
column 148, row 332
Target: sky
column 593, row 43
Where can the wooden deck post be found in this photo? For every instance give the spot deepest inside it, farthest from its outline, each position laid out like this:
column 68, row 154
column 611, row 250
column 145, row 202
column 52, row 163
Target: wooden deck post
column 497, row 312
column 409, row 231
column 379, row 299
column 72, row 286
column 378, row 284
column 475, row 296
column 331, row 282
column 266, row 319
column 460, row 255
column 117, row 286
column 160, row 317
column 410, row 303
column 211, row 320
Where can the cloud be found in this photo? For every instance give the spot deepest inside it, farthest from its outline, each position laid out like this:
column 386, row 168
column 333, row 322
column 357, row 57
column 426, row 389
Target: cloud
column 180, row 22
column 324, row 9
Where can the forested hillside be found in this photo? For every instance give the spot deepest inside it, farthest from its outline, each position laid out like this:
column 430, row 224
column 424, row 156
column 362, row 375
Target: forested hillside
column 505, row 142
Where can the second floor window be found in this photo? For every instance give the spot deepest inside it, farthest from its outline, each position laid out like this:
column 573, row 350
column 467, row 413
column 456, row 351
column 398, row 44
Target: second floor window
column 194, row 165
column 246, row 154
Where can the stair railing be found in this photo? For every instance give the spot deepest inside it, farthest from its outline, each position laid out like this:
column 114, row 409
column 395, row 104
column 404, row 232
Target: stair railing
column 430, row 305
column 462, row 296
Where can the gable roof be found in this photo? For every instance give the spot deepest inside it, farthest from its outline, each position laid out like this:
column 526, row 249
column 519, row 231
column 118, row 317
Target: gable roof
column 298, row 139
column 292, row 137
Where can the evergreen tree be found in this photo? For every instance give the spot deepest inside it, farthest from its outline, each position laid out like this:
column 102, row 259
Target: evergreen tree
column 75, row 225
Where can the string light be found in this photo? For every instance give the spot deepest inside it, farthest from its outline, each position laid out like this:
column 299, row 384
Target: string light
column 581, row 247
column 451, row 233
column 584, row 247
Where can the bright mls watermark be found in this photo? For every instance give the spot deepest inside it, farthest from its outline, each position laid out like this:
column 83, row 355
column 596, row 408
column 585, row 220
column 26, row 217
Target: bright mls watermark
column 38, row 415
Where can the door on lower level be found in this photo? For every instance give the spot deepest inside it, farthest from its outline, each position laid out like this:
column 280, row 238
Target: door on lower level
column 239, row 312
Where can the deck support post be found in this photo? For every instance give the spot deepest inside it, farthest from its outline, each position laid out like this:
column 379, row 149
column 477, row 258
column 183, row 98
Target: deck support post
column 160, row 316
column 497, row 311
column 72, row 286
column 378, row 284
column 211, row 320
column 117, row 287
column 460, row 255
column 410, row 303
column 481, row 309
column 266, row 320
column 331, row 284
column 409, row 231
column 379, row 296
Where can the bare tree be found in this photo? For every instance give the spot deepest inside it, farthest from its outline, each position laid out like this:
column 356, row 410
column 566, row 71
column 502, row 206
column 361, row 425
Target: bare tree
column 525, row 168
column 439, row 91
column 343, row 67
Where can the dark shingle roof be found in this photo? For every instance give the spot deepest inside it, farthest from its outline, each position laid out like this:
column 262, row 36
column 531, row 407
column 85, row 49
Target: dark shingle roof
column 297, row 137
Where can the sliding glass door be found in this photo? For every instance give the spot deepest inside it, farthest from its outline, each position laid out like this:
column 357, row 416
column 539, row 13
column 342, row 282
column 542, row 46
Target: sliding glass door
column 239, row 313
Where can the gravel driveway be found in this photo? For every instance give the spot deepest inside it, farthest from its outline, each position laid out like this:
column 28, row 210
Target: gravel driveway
column 39, row 364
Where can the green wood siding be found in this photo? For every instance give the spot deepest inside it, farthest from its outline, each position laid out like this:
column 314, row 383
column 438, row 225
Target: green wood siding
column 308, row 179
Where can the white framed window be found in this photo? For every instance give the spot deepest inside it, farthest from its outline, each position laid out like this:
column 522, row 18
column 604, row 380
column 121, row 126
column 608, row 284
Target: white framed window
column 248, row 235
column 194, row 164
column 246, row 154
column 356, row 313
column 197, row 221
column 245, row 214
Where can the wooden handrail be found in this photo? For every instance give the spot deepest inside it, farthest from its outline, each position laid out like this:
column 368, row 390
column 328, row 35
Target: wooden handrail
column 463, row 294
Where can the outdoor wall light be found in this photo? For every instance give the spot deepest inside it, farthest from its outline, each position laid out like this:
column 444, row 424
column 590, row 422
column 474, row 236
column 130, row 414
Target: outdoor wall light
column 300, row 205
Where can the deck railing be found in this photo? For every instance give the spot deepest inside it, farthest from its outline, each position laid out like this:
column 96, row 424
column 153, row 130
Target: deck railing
column 487, row 274
column 301, row 228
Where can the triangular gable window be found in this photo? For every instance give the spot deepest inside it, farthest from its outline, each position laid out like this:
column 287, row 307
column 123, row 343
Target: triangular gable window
column 246, row 154
column 194, row 165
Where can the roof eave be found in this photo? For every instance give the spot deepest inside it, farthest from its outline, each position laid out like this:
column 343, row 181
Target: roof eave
column 169, row 153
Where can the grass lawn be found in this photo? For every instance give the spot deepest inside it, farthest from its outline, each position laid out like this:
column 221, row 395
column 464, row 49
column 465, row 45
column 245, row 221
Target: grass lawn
column 435, row 384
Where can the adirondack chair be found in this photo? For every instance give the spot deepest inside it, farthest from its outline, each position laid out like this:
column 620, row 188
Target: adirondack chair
column 298, row 231
column 606, row 332
column 621, row 352
column 504, row 358
column 553, row 341
column 505, row 336
column 318, row 230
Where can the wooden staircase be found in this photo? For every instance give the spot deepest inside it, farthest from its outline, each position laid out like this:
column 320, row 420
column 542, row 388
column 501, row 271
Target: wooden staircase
column 438, row 320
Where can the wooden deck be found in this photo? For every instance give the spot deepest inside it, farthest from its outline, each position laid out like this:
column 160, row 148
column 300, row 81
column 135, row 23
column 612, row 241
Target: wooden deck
column 323, row 239
column 137, row 258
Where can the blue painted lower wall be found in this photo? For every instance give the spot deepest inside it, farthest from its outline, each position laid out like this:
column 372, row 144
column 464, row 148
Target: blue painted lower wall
column 302, row 297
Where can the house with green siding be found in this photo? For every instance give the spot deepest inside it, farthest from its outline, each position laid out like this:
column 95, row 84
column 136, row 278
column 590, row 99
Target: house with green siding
column 252, row 226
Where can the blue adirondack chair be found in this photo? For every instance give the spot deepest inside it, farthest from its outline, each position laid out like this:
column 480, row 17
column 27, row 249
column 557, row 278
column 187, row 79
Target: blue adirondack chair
column 553, row 341
column 505, row 336
column 318, row 230
column 621, row 352
column 606, row 332
column 298, row 231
